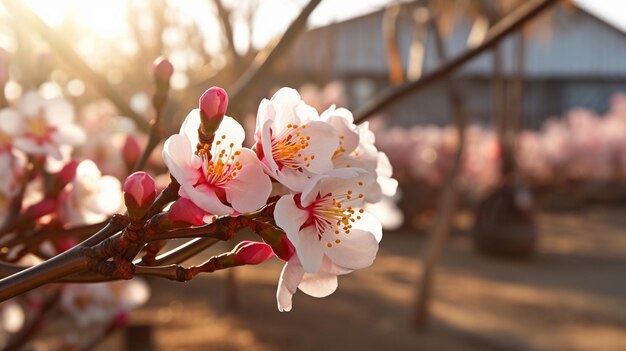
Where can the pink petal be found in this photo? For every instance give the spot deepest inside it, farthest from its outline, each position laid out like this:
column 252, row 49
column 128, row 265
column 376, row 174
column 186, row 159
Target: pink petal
column 205, row 198
column 249, row 190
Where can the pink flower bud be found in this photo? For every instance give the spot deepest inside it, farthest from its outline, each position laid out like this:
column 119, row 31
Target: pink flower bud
column 139, row 192
column 42, row 208
column 285, row 249
column 252, row 252
column 121, row 319
column 68, row 172
column 213, row 104
column 162, row 69
column 185, row 211
column 131, row 151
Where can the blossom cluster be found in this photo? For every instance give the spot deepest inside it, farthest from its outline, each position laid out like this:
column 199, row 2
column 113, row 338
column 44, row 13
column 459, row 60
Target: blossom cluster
column 579, row 146
column 38, row 140
column 317, row 170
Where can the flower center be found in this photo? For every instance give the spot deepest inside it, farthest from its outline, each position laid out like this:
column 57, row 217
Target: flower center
column 288, row 145
column 38, row 129
column 331, row 213
column 222, row 167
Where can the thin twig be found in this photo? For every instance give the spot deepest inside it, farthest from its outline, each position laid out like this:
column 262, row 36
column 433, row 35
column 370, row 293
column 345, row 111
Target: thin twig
column 448, row 199
column 247, row 84
column 502, row 29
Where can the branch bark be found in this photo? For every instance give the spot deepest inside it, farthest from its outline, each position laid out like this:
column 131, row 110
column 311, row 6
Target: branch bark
column 448, row 199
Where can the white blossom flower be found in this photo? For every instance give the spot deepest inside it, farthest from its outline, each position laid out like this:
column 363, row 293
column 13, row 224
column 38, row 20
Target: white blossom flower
column 291, row 141
column 330, row 230
column 357, row 149
column 232, row 180
column 45, row 126
column 90, row 197
column 99, row 303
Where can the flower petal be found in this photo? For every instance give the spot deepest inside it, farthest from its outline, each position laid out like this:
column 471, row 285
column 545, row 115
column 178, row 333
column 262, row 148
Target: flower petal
column 289, row 217
column 190, row 126
column 229, row 132
column 249, row 189
column 322, row 145
column 180, row 160
column 10, row 122
column 290, row 278
column 357, row 250
column 319, row 284
column 369, row 222
column 69, row 134
column 205, row 198
column 58, row 112
column 309, row 249
column 284, row 102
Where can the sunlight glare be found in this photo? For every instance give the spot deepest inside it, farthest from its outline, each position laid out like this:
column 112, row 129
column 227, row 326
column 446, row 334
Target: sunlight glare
column 104, row 18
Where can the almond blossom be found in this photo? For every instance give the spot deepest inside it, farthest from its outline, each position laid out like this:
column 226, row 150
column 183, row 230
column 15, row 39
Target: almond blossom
column 92, row 304
column 330, row 230
column 45, row 126
column 291, row 141
column 357, row 149
column 91, row 197
column 230, row 179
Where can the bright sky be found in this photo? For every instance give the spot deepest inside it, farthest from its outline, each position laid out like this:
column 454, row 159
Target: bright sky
column 272, row 16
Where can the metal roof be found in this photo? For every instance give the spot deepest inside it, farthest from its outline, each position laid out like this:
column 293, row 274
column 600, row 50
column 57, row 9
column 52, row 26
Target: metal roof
column 578, row 44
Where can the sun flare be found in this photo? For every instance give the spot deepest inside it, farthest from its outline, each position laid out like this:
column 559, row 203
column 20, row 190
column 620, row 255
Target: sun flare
column 104, row 18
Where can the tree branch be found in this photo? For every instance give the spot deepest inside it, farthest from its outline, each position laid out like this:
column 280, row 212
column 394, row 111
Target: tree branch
column 261, row 68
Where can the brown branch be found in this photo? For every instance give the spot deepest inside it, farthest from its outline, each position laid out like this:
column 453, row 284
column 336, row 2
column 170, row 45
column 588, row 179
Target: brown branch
column 223, row 15
column 523, row 14
column 448, row 199
column 247, row 84
column 57, row 43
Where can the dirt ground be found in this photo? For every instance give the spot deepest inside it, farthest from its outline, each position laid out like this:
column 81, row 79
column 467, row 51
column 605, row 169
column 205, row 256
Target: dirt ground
column 570, row 296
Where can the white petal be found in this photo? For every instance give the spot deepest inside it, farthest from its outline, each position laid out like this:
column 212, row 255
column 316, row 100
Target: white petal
column 30, row 104
column 229, row 132
column 336, row 181
column 180, row 160
column 357, row 250
column 190, row 126
column 108, row 198
column 322, row 145
column 10, row 122
column 289, row 217
column 249, row 190
column 69, row 134
column 284, row 102
column 370, row 223
column 266, row 144
column 309, row 249
column 290, row 278
column 319, row 284
column 264, row 113
column 58, row 112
